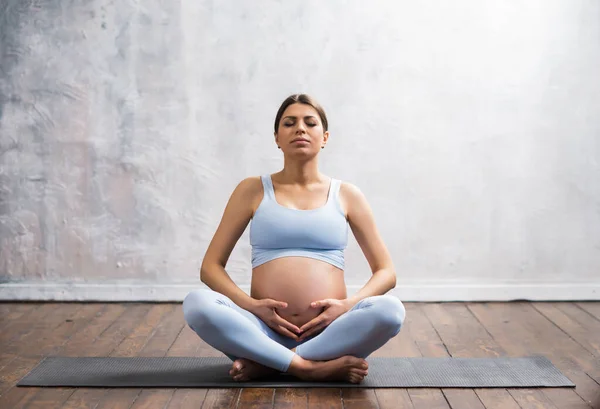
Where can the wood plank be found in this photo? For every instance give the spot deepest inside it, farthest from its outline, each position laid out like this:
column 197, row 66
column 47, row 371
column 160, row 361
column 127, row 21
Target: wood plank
column 324, row 398
column 256, row 398
column 188, row 399
column 49, row 398
column 27, row 323
column 5, row 359
column 496, row 399
column 521, row 331
column 135, row 341
column 11, row 313
column 359, row 399
column 27, row 342
column 393, row 399
column 85, row 398
column 592, row 308
column 576, row 323
column 427, row 398
column 48, row 341
column 463, row 398
column 221, row 399
column 188, row 343
column 291, row 398
column 109, row 339
column 77, row 345
column 119, row 398
column 153, row 399
column 17, row 398
column 532, row 399
column 165, row 333
column 426, row 338
column 564, row 400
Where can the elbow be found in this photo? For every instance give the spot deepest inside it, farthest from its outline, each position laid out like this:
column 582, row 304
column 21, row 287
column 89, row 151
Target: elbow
column 392, row 279
column 204, row 271
column 208, row 270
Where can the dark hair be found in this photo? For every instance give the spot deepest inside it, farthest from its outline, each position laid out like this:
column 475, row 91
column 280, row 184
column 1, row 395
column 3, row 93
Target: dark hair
column 302, row 99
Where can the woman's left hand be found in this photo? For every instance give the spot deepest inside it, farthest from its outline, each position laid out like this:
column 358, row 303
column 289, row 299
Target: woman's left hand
column 332, row 310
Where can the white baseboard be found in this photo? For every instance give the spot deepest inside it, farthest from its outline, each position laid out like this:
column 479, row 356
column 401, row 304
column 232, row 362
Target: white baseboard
column 421, row 292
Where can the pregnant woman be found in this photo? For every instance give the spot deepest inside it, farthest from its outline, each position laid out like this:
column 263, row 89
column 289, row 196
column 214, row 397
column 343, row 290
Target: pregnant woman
column 298, row 318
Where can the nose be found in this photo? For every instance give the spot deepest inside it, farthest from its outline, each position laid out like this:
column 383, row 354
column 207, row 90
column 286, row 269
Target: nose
column 300, row 127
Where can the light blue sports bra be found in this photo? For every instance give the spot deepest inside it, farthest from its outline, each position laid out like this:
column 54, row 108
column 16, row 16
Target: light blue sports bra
column 278, row 231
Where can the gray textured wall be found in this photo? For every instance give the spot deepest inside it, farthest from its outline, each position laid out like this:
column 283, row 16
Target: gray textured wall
column 472, row 127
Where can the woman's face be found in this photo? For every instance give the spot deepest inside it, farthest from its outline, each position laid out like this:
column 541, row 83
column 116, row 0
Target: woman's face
column 300, row 131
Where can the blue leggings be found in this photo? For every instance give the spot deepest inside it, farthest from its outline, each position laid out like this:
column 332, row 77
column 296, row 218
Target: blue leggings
column 240, row 334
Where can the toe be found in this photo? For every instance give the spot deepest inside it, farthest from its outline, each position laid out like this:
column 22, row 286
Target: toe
column 359, row 372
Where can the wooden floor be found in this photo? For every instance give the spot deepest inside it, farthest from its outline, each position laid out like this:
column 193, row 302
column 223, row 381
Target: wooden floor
column 567, row 333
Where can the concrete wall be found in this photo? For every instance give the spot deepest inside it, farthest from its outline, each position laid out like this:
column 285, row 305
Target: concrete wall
column 472, row 127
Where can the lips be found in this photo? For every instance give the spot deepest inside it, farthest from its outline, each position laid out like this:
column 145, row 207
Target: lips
column 299, row 140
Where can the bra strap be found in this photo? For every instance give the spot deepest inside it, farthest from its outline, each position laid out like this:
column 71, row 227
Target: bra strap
column 335, row 189
column 268, row 186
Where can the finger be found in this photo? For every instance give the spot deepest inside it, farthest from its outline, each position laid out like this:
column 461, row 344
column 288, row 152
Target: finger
column 275, row 304
column 320, row 303
column 284, row 331
column 312, row 323
column 312, row 331
column 286, row 324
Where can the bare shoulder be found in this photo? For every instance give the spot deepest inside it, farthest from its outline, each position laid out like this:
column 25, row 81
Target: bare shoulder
column 351, row 198
column 250, row 190
column 250, row 185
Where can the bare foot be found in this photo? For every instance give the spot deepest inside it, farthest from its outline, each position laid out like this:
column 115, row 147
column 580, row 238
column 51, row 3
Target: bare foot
column 346, row 368
column 246, row 370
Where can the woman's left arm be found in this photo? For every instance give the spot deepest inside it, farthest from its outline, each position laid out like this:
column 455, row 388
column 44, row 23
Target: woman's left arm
column 362, row 222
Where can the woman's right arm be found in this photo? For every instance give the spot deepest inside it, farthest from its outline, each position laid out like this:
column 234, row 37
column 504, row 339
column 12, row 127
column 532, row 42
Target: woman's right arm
column 237, row 215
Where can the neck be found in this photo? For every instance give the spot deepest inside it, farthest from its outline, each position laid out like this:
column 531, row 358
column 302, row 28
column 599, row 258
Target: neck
column 301, row 173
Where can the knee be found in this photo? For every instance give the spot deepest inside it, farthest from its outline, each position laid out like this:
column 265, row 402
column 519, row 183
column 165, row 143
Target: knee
column 196, row 306
column 389, row 313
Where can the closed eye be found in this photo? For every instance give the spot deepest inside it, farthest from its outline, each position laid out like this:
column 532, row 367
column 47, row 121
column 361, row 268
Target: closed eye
column 288, row 125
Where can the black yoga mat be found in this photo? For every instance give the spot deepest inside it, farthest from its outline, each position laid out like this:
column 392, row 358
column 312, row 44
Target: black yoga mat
column 205, row 372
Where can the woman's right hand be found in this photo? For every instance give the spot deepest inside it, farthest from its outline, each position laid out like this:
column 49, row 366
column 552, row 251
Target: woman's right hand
column 265, row 310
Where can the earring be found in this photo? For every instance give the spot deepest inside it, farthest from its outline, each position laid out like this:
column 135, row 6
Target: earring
column 278, row 147
column 322, row 147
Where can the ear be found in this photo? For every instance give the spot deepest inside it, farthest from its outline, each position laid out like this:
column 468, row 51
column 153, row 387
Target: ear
column 325, row 137
column 276, row 138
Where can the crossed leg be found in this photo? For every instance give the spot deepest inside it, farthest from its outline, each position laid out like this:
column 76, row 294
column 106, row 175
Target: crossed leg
column 250, row 343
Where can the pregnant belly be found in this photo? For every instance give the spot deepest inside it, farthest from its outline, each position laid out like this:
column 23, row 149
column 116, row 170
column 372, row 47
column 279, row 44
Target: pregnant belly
column 298, row 281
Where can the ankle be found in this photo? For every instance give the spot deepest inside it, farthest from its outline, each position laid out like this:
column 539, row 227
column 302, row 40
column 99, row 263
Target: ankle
column 299, row 366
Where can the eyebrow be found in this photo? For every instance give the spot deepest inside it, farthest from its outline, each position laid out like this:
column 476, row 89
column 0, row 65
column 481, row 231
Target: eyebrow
column 306, row 117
